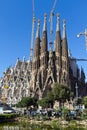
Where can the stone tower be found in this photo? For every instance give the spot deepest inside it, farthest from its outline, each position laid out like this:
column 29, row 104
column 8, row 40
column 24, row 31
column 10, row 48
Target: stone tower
column 65, row 62
column 37, row 49
column 58, row 51
column 44, row 53
column 49, row 66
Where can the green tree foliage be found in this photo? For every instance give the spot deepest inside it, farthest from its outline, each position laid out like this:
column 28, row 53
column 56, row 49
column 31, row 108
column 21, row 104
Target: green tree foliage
column 19, row 104
column 79, row 101
column 43, row 103
column 50, row 98
column 84, row 101
column 61, row 93
column 27, row 101
column 47, row 101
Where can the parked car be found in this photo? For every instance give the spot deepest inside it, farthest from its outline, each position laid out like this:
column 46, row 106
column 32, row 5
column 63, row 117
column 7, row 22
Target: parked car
column 72, row 113
column 42, row 111
column 9, row 111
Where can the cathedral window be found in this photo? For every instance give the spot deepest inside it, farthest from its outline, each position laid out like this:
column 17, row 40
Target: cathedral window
column 58, row 61
column 34, row 65
column 38, row 63
column 16, row 72
column 22, row 72
column 44, row 60
column 65, row 65
column 64, row 77
column 15, row 77
column 21, row 79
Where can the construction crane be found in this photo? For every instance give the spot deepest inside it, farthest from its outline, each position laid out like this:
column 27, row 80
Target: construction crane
column 83, row 33
column 78, row 59
column 51, row 22
column 32, row 34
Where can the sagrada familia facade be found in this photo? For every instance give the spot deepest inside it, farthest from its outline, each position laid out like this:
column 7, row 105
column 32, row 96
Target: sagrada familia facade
column 48, row 66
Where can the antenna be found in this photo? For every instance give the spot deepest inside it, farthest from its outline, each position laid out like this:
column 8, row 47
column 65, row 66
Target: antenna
column 83, row 33
column 51, row 22
column 32, row 34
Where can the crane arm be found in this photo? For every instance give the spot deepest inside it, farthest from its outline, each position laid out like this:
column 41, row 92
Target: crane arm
column 33, row 30
column 85, row 34
column 82, row 33
column 78, row 59
column 33, row 10
column 55, row 1
column 51, row 22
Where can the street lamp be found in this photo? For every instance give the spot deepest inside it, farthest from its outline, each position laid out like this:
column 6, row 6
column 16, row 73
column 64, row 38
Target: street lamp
column 83, row 33
column 76, row 90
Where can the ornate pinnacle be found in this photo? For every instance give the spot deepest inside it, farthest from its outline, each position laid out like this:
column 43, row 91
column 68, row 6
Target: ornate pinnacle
column 24, row 59
column 58, row 22
column 17, row 59
column 38, row 29
column 64, row 28
column 45, row 19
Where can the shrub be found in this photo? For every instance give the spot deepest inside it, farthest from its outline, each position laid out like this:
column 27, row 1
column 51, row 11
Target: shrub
column 7, row 116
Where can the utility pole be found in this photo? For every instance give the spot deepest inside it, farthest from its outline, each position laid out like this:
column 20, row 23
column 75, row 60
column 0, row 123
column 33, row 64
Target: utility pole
column 85, row 34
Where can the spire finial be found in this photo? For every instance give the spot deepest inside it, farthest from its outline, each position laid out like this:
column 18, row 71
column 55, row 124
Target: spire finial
column 23, row 58
column 45, row 19
column 64, row 28
column 58, row 22
column 17, row 59
column 38, row 29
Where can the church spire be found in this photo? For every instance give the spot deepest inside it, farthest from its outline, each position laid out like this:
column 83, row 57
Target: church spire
column 45, row 19
column 37, row 44
column 38, row 29
column 82, row 75
column 58, row 23
column 36, row 61
column 58, row 37
column 58, row 49
column 64, row 41
column 44, row 50
column 65, row 63
column 44, row 36
column 64, row 29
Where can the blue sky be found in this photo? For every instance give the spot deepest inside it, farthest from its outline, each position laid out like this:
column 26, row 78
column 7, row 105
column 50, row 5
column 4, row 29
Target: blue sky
column 16, row 22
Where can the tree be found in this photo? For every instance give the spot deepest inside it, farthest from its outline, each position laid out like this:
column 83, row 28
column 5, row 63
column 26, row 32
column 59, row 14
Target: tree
column 50, row 99
column 79, row 101
column 43, row 102
column 47, row 101
column 27, row 101
column 84, row 101
column 61, row 93
column 19, row 104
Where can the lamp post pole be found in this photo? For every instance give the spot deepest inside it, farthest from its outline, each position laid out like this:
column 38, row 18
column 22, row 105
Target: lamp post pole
column 76, row 91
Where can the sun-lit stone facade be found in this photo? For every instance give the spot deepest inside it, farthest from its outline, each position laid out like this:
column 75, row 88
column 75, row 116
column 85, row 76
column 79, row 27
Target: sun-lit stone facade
column 48, row 66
